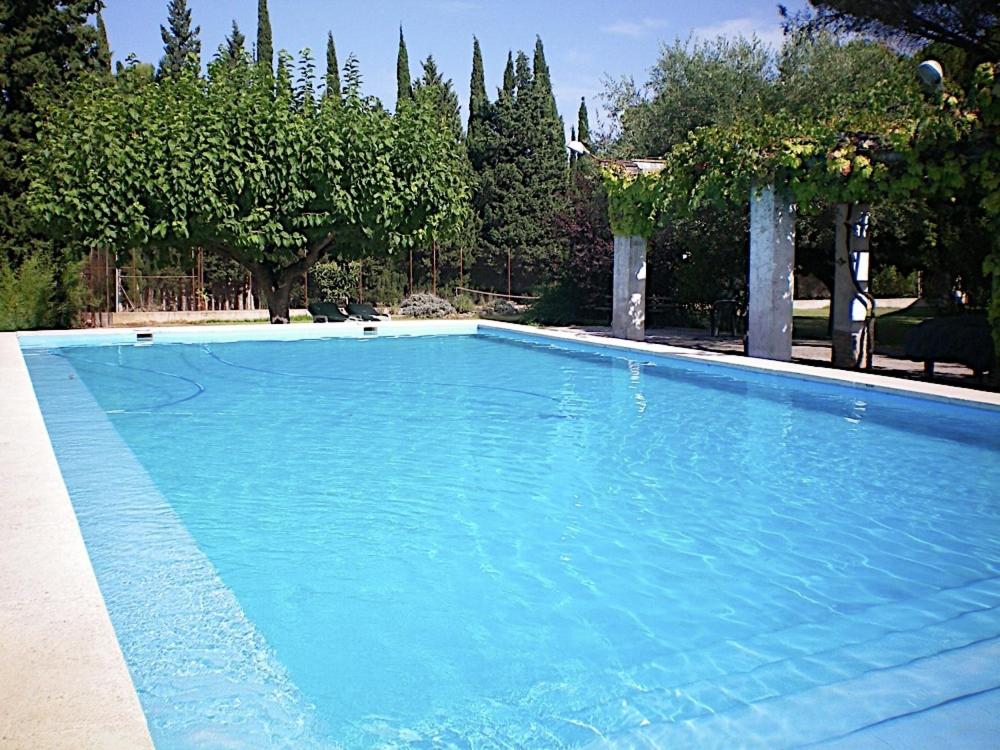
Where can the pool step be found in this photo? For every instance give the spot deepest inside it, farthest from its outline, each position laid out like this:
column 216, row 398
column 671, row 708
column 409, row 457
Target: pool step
column 798, row 660
column 829, row 712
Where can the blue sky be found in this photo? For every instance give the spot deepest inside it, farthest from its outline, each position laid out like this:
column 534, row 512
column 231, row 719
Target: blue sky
column 585, row 40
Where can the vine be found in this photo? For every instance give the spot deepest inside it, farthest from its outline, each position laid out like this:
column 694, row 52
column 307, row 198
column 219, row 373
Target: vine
column 905, row 144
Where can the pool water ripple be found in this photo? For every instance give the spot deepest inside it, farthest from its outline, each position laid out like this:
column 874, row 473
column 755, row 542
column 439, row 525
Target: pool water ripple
column 474, row 542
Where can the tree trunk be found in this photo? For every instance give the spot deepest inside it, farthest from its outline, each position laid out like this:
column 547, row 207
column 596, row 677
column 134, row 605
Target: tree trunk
column 277, row 294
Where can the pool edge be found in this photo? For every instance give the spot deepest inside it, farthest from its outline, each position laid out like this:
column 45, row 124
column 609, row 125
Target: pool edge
column 852, row 378
column 63, row 676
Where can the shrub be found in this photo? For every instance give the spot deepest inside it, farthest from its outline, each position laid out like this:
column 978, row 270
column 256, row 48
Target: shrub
column 424, row 305
column 26, row 295
column 334, row 281
column 464, row 304
column 558, row 306
column 889, row 282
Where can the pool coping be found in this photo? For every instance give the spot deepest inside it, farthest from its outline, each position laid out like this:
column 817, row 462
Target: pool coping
column 854, row 378
column 63, row 679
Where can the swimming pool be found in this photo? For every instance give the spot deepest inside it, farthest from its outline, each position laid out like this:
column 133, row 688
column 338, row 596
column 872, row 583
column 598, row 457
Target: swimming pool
column 497, row 541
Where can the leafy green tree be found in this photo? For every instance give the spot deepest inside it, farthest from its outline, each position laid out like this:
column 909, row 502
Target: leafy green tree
column 332, row 90
column 449, row 250
column 440, row 93
column 240, row 167
column 352, row 77
column 404, row 88
column 693, row 84
column 181, row 46
column 265, row 47
column 43, row 45
column 103, row 47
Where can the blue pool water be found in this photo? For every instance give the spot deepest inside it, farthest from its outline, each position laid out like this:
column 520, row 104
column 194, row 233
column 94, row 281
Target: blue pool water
column 487, row 542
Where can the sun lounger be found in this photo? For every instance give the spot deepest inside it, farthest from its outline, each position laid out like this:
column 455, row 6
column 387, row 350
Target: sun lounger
column 326, row 312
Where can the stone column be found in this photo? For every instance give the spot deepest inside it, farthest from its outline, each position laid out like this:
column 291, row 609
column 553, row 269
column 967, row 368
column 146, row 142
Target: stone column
column 628, row 307
column 852, row 344
column 772, row 274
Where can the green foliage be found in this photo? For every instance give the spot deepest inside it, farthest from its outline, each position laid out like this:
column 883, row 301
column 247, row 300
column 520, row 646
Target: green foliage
column 521, row 178
column 968, row 25
column 693, row 84
column 245, row 168
column 559, row 305
column 26, row 295
column 181, row 46
column 43, row 46
column 234, row 48
column 633, row 202
column 332, row 90
column 477, row 135
column 404, row 88
column 464, row 304
column 335, row 280
column 265, row 47
column 441, row 96
column 583, row 123
column 889, row 282
column 509, row 82
column 103, row 47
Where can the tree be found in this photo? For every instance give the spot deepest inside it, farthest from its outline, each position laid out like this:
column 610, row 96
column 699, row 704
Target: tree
column 235, row 45
column 181, row 46
column 968, row 25
column 522, row 186
column 404, row 89
column 43, row 45
column 437, row 94
column 583, row 123
column 332, row 90
column 236, row 165
column 265, row 47
column 441, row 95
column 509, row 81
column 693, row 84
column 103, row 47
column 477, row 135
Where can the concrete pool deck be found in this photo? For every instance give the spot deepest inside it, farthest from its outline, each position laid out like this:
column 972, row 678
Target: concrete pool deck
column 63, row 680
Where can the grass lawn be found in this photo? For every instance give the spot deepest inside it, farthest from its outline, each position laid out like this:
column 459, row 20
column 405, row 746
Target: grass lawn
column 890, row 325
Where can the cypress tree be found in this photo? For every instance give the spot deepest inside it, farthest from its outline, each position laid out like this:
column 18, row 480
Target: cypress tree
column 522, row 74
column 265, row 48
column 103, row 48
column 583, row 124
column 477, row 91
column 543, row 79
column 524, row 186
column 478, row 135
column 508, row 77
column 181, row 46
column 332, row 71
column 404, row 89
column 234, row 47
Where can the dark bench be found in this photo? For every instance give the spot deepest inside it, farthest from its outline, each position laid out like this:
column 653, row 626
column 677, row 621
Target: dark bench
column 963, row 339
